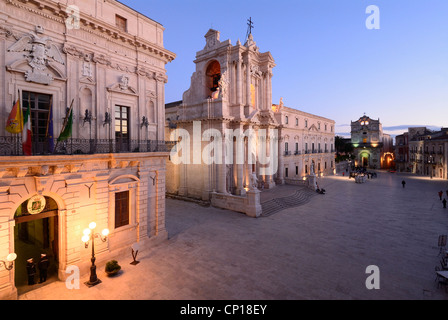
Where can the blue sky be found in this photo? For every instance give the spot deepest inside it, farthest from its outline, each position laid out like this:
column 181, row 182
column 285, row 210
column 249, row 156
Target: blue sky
column 328, row 62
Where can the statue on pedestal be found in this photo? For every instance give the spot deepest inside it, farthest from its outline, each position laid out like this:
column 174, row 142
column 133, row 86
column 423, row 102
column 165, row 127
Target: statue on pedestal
column 253, row 181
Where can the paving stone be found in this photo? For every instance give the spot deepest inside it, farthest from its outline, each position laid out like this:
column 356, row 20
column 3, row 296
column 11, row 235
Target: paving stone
column 317, row 250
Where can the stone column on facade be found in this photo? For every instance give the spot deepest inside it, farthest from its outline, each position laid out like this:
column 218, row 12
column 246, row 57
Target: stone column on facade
column 280, row 176
column 143, row 200
column 222, row 167
column 248, row 83
column 160, row 106
column 62, row 246
column 240, row 164
column 269, row 89
column 239, row 86
column 207, row 180
column 8, row 290
column 270, row 183
column 160, row 231
column 240, row 177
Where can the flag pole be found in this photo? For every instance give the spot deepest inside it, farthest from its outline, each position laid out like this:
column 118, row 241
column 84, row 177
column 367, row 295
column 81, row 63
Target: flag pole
column 16, row 138
column 49, row 114
column 49, row 121
column 63, row 126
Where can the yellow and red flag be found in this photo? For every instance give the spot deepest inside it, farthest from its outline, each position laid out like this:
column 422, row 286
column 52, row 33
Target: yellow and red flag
column 14, row 124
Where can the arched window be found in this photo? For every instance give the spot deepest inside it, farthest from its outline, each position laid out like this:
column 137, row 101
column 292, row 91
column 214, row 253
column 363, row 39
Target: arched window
column 213, row 76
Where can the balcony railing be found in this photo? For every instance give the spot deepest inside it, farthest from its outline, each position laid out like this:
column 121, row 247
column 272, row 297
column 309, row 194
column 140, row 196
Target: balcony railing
column 12, row 146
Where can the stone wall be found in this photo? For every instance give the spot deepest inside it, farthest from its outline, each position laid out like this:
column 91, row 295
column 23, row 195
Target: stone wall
column 84, row 189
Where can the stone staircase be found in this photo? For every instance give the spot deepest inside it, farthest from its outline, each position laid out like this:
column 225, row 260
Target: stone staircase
column 299, row 198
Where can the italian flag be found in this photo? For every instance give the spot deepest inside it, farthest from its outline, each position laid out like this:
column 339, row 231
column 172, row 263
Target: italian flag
column 26, row 133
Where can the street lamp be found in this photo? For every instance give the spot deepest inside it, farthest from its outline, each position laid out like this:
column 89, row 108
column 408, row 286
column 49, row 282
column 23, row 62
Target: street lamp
column 90, row 235
column 10, row 259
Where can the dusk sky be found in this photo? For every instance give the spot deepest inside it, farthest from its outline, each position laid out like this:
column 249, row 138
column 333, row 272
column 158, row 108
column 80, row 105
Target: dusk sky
column 328, row 62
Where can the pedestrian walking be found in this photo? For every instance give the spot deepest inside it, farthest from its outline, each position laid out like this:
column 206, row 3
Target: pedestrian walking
column 444, row 203
column 403, row 183
column 440, row 194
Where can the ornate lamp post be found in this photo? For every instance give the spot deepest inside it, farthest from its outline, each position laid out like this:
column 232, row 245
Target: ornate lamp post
column 10, row 260
column 89, row 236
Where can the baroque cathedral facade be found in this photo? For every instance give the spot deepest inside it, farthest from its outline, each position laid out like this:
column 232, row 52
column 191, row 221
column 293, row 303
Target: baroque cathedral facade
column 227, row 115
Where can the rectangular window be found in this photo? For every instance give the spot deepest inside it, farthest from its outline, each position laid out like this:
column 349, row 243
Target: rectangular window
column 121, row 23
column 122, row 128
column 40, row 119
column 121, row 209
column 306, row 169
column 286, row 172
column 297, row 170
column 297, row 122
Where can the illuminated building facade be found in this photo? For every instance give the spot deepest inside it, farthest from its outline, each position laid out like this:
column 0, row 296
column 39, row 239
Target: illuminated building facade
column 372, row 147
column 231, row 91
column 93, row 74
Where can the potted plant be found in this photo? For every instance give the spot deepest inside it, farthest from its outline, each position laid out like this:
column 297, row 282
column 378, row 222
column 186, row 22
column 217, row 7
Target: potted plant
column 112, row 268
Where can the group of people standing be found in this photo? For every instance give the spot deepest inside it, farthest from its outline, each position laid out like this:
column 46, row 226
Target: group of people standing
column 43, row 265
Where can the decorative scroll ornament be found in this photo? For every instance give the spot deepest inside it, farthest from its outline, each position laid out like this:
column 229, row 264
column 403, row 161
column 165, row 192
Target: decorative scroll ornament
column 40, row 51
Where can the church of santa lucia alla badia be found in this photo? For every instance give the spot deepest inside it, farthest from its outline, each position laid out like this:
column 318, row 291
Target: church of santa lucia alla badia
column 88, row 143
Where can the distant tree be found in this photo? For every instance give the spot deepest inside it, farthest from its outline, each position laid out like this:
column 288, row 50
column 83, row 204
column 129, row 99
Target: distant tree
column 348, row 148
column 339, row 144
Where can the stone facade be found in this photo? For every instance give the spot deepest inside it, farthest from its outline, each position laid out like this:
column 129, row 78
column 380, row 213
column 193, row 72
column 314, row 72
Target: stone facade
column 428, row 152
column 307, row 141
column 372, row 147
column 229, row 107
column 106, row 62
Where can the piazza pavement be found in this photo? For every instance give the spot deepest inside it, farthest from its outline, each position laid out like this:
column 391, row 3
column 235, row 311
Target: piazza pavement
column 317, row 251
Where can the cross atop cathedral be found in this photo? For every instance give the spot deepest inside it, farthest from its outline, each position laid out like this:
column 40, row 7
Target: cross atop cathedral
column 250, row 26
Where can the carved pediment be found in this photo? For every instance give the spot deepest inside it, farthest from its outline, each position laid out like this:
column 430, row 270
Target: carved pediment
column 267, row 117
column 40, row 54
column 123, row 86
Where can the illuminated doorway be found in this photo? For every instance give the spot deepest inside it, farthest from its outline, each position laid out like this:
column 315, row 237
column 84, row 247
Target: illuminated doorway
column 388, row 160
column 36, row 233
column 364, row 160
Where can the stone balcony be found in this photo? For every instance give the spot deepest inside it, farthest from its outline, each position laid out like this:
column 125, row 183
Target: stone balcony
column 12, row 146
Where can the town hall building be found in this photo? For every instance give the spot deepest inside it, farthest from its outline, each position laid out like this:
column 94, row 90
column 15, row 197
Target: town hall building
column 83, row 138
